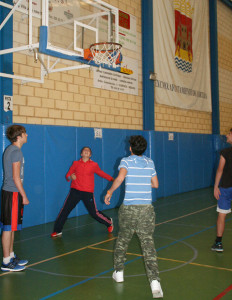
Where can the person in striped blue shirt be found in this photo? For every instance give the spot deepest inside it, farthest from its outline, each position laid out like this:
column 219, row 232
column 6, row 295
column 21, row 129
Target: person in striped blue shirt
column 137, row 214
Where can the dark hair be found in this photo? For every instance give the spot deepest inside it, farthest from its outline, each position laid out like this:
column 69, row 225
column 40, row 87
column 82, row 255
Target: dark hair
column 86, row 147
column 231, row 129
column 138, row 144
column 14, row 131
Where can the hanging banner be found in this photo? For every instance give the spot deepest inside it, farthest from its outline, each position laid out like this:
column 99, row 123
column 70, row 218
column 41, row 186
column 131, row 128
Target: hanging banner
column 181, row 54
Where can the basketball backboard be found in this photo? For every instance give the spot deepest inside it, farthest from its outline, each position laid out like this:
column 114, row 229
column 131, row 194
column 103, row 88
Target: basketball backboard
column 70, row 26
column 63, row 29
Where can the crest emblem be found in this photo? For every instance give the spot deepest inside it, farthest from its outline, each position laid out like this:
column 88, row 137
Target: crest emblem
column 183, row 35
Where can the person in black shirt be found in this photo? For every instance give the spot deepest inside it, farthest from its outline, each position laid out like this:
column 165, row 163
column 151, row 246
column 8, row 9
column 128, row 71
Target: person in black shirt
column 223, row 191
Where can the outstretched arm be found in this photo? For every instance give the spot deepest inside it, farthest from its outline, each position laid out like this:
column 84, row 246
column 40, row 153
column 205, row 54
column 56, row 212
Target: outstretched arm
column 117, row 182
column 102, row 174
column 218, row 177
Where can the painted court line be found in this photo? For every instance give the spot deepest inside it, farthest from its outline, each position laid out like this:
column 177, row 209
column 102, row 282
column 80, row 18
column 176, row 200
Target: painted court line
column 83, row 281
column 108, row 250
column 49, row 234
column 74, row 251
column 130, row 261
column 79, row 226
column 189, row 236
column 227, row 290
column 84, row 225
column 76, row 284
column 71, row 252
column 196, row 264
column 61, row 255
column 158, row 203
column 167, row 259
column 190, row 214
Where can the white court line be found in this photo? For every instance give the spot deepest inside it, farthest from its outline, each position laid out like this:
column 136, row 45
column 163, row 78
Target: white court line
column 193, row 213
column 85, row 247
column 48, row 234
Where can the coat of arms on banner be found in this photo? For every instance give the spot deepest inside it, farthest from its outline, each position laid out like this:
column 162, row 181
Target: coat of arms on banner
column 183, row 35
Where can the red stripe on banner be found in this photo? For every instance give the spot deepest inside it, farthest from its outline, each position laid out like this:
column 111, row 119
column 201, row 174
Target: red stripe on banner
column 14, row 213
column 223, row 293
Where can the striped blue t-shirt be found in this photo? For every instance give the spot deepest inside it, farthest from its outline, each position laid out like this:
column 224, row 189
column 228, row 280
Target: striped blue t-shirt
column 140, row 170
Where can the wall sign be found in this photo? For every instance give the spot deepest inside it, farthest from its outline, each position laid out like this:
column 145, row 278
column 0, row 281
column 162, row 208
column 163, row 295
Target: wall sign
column 8, row 103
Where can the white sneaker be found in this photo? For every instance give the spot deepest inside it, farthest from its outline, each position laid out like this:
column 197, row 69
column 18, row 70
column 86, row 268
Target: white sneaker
column 156, row 289
column 118, row 276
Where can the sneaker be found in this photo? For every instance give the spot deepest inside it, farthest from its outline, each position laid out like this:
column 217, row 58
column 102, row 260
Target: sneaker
column 12, row 267
column 54, row 234
column 118, row 276
column 111, row 227
column 20, row 262
column 217, row 247
column 156, row 289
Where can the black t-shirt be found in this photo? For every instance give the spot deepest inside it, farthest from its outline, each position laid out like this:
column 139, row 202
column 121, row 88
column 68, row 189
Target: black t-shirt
column 226, row 180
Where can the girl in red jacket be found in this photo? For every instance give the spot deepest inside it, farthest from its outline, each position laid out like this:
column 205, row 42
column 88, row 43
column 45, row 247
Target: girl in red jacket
column 81, row 173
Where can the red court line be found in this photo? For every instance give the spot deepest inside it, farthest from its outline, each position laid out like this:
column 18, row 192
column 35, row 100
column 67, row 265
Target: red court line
column 223, row 293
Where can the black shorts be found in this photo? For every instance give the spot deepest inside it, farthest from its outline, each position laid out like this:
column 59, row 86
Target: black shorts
column 11, row 211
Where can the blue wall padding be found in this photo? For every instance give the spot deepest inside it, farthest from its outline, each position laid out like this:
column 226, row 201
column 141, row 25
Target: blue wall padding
column 184, row 164
column 198, row 161
column 34, row 176
column 151, row 153
column 207, row 147
column 114, row 148
column 171, row 167
column 159, row 160
column 60, row 152
column 2, row 148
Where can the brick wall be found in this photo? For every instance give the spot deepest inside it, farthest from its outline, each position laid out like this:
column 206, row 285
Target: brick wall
column 70, row 99
column 168, row 118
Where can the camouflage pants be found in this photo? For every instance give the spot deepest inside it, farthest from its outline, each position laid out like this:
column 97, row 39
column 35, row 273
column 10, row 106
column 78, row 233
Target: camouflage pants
column 139, row 219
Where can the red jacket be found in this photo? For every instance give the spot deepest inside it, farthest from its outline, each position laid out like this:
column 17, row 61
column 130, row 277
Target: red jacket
column 84, row 172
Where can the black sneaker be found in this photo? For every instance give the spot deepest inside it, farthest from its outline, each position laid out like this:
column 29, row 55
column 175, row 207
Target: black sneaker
column 217, row 247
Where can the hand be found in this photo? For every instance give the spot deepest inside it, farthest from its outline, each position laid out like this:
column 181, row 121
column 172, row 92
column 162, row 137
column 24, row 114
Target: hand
column 107, row 199
column 217, row 192
column 73, row 176
column 25, row 201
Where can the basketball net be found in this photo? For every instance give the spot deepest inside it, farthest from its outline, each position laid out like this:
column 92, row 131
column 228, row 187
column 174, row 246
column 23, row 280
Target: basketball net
column 106, row 53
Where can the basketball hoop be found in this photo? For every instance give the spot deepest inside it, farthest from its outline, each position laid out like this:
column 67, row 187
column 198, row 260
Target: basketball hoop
column 106, row 53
